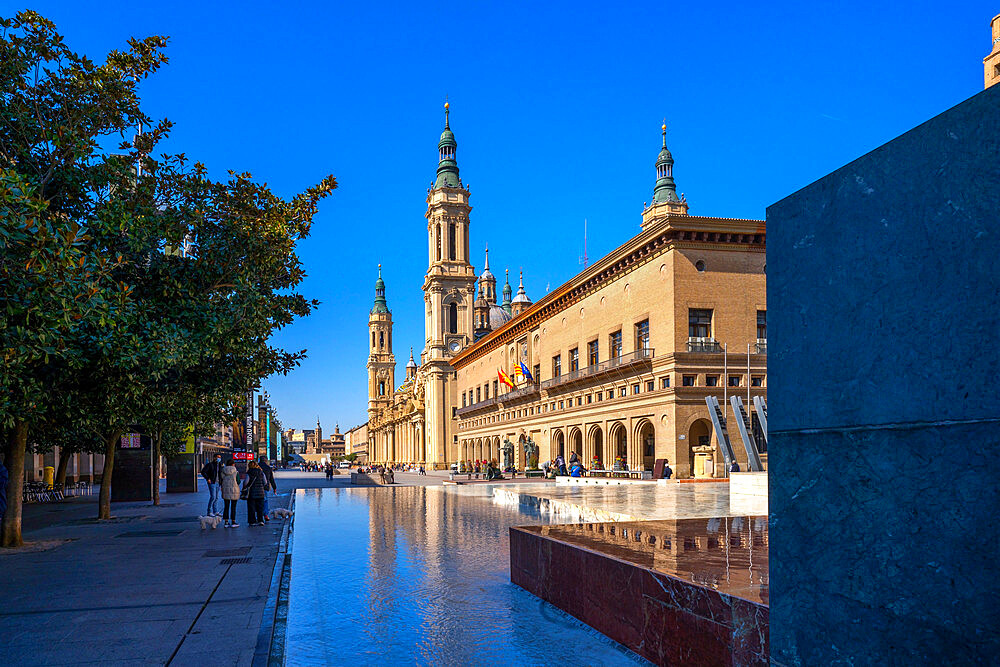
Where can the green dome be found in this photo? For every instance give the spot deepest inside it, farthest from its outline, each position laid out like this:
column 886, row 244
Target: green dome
column 665, row 190
column 447, row 171
column 380, row 304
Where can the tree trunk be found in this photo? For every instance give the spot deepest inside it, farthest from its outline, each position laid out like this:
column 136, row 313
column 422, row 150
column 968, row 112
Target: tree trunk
column 11, row 531
column 104, row 502
column 64, row 457
column 156, row 467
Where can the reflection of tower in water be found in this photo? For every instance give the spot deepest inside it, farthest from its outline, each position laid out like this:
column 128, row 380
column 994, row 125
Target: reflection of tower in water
column 415, row 537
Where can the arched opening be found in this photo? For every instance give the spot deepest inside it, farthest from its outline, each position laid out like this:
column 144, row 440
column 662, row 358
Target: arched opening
column 619, row 446
column 453, row 318
column 557, row 445
column 381, row 340
column 373, row 340
column 576, row 443
column 519, row 455
column 451, row 241
column 381, row 388
column 597, row 446
column 647, row 443
column 437, row 234
column 699, row 437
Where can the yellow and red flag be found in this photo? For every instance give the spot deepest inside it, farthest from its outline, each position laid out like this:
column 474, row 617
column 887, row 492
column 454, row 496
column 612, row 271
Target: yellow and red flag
column 504, row 378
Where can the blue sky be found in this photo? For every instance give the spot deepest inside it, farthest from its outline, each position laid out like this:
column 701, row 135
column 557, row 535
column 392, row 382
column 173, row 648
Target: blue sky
column 556, row 108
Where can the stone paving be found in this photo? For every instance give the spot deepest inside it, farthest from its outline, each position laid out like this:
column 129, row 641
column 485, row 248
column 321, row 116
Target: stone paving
column 146, row 588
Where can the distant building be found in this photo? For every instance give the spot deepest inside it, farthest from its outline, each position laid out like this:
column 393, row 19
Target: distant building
column 991, row 63
column 356, row 442
column 296, row 440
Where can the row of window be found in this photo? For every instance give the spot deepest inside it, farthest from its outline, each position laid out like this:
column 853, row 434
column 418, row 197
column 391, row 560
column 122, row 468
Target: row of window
column 594, row 353
column 609, row 394
column 713, row 381
column 700, row 323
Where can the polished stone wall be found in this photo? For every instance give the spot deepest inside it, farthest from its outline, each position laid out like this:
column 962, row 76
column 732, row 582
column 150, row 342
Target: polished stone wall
column 884, row 293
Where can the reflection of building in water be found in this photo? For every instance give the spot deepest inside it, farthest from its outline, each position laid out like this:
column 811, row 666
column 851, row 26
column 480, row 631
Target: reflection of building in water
column 727, row 553
column 614, row 365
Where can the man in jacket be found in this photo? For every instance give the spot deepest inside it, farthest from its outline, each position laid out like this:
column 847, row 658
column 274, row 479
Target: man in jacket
column 212, row 472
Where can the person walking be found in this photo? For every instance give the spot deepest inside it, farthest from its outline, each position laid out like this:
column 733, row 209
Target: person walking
column 254, row 487
column 735, row 467
column 269, row 486
column 230, row 493
column 212, row 472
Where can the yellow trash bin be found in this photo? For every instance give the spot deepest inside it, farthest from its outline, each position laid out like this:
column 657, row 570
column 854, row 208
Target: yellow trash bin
column 49, row 475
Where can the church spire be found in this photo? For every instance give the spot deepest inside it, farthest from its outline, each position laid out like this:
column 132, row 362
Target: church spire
column 447, row 171
column 521, row 301
column 380, row 305
column 665, row 190
column 506, row 293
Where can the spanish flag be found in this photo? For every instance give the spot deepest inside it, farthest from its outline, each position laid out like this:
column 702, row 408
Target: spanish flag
column 504, row 378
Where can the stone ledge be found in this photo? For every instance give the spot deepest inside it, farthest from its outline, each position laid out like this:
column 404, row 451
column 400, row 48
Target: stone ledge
column 643, row 585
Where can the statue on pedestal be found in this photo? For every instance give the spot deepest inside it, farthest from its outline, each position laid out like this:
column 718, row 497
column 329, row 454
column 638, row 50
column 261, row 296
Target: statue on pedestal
column 508, row 454
column 531, row 454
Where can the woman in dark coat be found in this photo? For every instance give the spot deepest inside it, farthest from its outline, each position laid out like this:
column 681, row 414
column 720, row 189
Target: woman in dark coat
column 254, row 488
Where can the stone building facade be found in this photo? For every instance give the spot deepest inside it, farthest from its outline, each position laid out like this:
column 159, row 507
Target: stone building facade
column 991, row 63
column 356, row 442
column 623, row 355
column 616, row 363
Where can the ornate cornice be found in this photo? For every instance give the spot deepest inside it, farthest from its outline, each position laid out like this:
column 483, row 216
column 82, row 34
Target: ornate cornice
column 673, row 231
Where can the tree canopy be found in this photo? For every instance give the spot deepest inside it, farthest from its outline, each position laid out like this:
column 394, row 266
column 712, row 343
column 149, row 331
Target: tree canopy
column 138, row 291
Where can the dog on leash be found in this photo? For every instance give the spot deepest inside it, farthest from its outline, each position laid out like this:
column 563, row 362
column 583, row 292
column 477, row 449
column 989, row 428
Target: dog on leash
column 280, row 513
column 210, row 522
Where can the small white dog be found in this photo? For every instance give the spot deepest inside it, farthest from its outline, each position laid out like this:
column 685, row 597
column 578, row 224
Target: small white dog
column 210, row 522
column 280, row 513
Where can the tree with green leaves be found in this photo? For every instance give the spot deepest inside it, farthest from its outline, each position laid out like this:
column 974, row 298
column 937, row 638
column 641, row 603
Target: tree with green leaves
column 55, row 106
column 167, row 284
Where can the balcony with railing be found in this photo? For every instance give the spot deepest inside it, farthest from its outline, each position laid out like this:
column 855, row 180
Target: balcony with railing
column 529, row 391
column 704, row 346
column 625, row 361
column 475, row 407
column 761, row 346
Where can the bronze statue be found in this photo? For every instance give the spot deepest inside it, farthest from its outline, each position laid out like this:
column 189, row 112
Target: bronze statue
column 531, row 454
column 508, row 454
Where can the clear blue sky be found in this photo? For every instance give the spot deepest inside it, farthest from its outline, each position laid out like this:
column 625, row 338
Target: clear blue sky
column 556, row 108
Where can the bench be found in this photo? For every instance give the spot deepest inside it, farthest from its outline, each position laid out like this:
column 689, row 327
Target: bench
column 534, row 473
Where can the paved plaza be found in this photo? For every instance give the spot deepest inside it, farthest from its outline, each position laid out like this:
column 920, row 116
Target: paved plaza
column 147, row 587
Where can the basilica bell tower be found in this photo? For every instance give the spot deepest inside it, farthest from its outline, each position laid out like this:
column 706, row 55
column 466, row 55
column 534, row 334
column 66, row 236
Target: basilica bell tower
column 449, row 294
column 381, row 362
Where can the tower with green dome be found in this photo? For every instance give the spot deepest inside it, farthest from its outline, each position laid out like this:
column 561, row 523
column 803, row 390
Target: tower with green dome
column 449, row 295
column 381, row 362
column 665, row 200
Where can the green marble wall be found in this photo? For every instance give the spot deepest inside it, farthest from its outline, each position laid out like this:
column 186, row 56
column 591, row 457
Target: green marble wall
column 884, row 402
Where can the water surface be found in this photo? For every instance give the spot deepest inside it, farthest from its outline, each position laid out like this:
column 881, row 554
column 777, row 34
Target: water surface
column 421, row 576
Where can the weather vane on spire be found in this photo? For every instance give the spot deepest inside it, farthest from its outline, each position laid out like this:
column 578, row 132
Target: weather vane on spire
column 446, row 107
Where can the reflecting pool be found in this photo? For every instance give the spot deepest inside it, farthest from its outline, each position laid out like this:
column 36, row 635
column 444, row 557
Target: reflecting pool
column 421, row 576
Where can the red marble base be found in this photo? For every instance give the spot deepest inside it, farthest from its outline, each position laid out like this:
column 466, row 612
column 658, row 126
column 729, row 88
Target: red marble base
column 681, row 592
